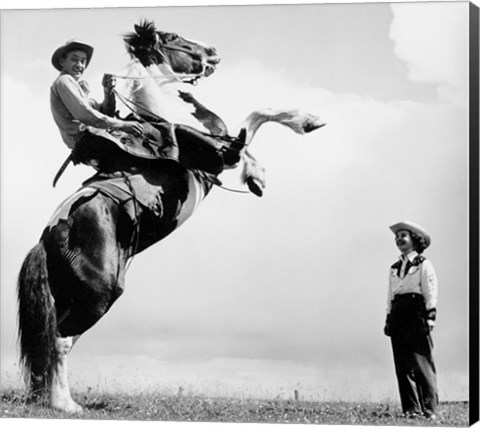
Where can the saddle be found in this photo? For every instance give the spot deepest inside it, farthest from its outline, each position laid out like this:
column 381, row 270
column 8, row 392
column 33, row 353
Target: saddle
column 115, row 150
column 152, row 144
column 127, row 190
column 156, row 142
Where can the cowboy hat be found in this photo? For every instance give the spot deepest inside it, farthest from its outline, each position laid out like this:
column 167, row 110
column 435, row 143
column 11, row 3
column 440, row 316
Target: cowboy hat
column 67, row 47
column 412, row 227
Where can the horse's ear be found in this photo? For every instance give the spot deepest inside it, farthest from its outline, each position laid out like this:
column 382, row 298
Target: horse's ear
column 137, row 28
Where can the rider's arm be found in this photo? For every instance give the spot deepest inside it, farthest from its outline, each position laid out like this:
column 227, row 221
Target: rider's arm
column 79, row 106
column 108, row 105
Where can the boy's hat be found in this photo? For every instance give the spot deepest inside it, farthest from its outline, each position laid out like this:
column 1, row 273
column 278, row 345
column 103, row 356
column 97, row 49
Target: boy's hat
column 69, row 46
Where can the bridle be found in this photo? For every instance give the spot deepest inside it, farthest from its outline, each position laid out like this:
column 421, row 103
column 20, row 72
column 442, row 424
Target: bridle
column 187, row 78
column 179, row 49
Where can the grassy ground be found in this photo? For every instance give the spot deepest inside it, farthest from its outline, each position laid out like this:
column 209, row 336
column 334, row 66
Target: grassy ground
column 202, row 409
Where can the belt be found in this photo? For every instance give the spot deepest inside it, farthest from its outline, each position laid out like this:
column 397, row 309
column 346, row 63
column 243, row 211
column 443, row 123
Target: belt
column 407, row 296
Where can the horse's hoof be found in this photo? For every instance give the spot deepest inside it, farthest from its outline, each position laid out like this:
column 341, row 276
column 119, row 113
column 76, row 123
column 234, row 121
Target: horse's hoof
column 255, row 186
column 312, row 123
column 67, row 406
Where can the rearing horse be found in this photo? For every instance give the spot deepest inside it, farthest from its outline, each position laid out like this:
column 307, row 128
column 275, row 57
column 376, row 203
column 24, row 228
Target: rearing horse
column 71, row 278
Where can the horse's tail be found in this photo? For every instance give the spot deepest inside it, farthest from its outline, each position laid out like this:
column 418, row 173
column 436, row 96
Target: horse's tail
column 37, row 323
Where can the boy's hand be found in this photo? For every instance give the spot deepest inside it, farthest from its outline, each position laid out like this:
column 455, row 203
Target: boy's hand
column 132, row 127
column 108, row 83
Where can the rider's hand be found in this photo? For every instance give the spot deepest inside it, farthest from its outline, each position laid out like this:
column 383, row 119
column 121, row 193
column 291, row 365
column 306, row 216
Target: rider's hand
column 431, row 324
column 108, row 83
column 132, row 127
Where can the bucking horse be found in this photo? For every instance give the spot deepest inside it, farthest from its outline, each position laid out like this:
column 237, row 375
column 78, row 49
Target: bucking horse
column 74, row 274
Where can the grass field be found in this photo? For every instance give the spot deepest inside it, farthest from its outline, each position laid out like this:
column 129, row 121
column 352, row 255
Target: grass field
column 147, row 407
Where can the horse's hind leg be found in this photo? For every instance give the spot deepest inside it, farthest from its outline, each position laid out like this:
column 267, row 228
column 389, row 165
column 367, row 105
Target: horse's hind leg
column 60, row 397
column 87, row 269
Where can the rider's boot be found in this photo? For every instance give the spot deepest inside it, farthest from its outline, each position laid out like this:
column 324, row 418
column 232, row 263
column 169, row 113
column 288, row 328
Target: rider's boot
column 232, row 150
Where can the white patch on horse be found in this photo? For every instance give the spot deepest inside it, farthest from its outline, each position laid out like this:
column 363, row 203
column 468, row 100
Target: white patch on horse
column 64, row 208
column 60, row 397
column 196, row 194
column 155, row 90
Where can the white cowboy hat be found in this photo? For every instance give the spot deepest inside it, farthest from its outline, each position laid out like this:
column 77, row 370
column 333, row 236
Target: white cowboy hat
column 69, row 46
column 412, row 227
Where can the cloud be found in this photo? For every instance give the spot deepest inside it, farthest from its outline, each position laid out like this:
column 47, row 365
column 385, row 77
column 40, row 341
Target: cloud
column 432, row 39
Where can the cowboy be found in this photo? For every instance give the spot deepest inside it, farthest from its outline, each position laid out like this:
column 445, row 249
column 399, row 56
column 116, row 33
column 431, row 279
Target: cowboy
column 83, row 123
column 411, row 314
column 71, row 106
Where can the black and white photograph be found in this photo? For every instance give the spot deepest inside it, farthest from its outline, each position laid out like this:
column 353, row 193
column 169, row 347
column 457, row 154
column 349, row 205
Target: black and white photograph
column 240, row 213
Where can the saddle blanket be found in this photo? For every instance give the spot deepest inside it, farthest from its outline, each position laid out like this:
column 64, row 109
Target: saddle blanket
column 123, row 191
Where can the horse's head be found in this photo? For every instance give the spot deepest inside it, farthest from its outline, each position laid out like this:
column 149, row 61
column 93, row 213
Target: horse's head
column 185, row 57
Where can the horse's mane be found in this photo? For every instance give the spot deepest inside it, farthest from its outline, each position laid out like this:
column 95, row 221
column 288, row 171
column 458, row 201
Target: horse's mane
column 141, row 44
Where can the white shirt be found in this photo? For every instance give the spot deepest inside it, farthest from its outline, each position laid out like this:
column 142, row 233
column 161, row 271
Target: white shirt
column 71, row 107
column 419, row 279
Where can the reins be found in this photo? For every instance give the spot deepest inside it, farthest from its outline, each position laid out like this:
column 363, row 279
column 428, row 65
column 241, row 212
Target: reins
column 129, row 103
column 185, row 78
column 232, row 190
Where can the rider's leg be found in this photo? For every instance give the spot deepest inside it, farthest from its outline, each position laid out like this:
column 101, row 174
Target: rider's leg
column 102, row 154
column 199, row 151
column 202, row 151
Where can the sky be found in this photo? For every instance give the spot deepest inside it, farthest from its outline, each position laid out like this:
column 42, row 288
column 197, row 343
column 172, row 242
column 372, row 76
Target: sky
column 264, row 296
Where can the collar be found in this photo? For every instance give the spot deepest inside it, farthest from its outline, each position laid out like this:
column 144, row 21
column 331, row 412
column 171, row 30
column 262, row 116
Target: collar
column 410, row 256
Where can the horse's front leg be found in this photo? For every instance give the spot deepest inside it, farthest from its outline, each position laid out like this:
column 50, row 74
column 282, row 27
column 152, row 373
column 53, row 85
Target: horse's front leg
column 298, row 121
column 253, row 174
column 60, row 397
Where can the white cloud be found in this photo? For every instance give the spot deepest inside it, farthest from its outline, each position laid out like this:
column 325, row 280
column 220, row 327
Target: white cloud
column 432, row 39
